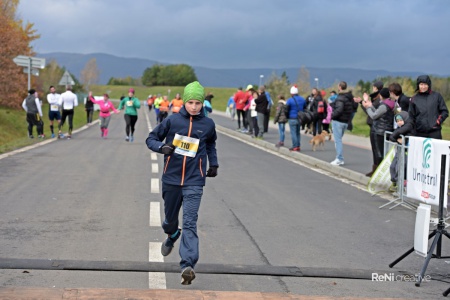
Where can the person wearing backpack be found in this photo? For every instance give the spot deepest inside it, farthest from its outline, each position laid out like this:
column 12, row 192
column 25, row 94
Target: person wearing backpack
column 319, row 110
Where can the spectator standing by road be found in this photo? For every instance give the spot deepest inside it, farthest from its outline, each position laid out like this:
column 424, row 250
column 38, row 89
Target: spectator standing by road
column 281, row 117
column 375, row 99
column 293, row 105
column 342, row 111
column 89, row 108
column 309, row 102
column 427, row 110
column 105, row 113
column 207, row 107
column 396, row 94
column 131, row 104
column 209, row 97
column 404, row 129
column 269, row 107
column 382, row 121
column 69, row 101
column 231, row 108
column 319, row 109
column 54, row 105
column 188, row 141
column 241, row 99
column 32, row 106
column 261, row 110
column 327, row 121
column 250, row 108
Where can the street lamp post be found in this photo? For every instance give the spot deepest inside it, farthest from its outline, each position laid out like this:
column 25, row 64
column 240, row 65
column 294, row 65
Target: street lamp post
column 317, row 82
column 260, row 79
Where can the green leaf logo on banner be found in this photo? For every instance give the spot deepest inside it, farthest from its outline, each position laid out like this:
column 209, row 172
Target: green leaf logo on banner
column 426, row 153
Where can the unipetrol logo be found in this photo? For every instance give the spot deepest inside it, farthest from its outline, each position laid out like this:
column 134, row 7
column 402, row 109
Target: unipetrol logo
column 426, row 153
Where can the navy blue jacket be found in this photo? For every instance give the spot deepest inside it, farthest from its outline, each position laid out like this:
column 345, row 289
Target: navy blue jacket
column 180, row 169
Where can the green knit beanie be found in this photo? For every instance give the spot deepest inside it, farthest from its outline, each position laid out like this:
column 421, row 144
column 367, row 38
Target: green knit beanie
column 194, row 91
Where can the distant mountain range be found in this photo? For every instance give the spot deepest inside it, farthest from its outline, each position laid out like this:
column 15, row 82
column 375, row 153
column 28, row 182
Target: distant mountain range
column 120, row 67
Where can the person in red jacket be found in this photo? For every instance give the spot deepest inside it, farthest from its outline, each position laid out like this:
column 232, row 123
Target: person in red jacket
column 241, row 100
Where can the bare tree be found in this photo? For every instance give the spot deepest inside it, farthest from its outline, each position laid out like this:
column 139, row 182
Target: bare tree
column 90, row 74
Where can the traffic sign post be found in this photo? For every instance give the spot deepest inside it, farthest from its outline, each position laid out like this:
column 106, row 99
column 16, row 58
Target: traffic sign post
column 31, row 64
column 66, row 79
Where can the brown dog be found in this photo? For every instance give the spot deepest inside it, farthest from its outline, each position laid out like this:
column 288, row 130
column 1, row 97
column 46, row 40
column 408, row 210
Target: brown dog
column 319, row 140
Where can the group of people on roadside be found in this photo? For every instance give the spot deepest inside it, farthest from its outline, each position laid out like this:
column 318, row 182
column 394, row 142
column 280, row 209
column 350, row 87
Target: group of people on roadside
column 387, row 109
column 315, row 109
column 253, row 107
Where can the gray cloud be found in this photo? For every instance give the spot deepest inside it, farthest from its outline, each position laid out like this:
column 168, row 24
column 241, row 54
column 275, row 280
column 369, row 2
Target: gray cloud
column 402, row 35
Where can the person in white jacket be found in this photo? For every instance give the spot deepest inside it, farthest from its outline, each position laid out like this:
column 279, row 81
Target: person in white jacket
column 68, row 102
column 32, row 106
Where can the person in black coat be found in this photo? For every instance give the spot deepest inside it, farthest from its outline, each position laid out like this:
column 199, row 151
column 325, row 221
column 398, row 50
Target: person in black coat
column 427, row 110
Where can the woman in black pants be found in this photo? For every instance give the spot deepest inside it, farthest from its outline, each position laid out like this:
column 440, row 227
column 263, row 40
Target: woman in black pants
column 131, row 104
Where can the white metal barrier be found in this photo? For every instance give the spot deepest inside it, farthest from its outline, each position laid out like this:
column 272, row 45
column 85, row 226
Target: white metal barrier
column 401, row 151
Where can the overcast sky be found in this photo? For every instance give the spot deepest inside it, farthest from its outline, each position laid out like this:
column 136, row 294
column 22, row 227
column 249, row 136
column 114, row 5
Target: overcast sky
column 393, row 35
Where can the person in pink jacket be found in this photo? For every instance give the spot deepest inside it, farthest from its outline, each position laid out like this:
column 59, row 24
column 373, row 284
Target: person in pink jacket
column 327, row 121
column 105, row 113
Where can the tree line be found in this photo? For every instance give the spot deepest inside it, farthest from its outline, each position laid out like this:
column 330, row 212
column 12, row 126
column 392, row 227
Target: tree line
column 160, row 75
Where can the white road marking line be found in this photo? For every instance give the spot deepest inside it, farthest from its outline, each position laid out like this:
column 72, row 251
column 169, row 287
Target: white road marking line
column 155, row 214
column 155, row 168
column 154, row 186
column 156, row 280
column 148, row 121
column 153, row 156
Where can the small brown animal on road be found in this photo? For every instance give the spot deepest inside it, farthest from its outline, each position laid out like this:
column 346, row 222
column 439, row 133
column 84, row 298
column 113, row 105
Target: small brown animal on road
column 318, row 141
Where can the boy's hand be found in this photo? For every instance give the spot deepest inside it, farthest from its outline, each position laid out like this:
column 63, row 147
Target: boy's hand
column 212, row 172
column 167, row 149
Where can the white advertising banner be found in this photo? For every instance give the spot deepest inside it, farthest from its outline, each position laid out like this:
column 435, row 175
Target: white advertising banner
column 424, row 169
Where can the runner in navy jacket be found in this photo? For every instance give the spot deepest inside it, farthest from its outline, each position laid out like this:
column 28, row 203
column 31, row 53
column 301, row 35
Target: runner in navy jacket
column 188, row 141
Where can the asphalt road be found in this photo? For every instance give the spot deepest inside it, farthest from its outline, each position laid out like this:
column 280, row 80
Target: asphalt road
column 89, row 199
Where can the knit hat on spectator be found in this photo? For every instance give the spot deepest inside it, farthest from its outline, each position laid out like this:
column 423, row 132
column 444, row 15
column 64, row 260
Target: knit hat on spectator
column 194, row 91
column 398, row 118
column 384, row 92
column 131, row 90
column 249, row 87
column 378, row 84
column 294, row 90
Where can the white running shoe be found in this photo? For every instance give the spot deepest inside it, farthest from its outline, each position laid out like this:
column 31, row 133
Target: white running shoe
column 337, row 162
